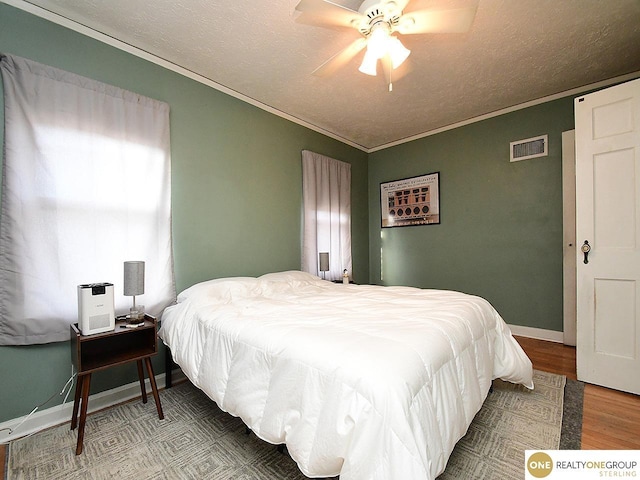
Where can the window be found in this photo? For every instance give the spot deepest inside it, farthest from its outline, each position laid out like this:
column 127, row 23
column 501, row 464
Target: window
column 86, row 186
column 326, row 190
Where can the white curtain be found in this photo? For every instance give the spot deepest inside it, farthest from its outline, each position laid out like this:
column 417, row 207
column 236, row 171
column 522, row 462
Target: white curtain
column 326, row 190
column 86, row 186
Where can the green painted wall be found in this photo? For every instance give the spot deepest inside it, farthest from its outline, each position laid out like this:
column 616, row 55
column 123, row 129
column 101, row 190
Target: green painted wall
column 236, row 188
column 500, row 234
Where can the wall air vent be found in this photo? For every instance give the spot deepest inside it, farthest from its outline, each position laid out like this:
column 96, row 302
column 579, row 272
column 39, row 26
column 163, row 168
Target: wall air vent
column 529, row 148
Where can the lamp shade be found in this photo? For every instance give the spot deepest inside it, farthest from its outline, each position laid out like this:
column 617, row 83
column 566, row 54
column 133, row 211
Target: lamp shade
column 324, row 261
column 133, row 278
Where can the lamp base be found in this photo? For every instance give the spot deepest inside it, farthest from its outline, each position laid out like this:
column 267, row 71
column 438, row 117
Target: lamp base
column 136, row 314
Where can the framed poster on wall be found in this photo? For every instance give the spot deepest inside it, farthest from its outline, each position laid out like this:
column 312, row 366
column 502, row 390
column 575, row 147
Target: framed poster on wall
column 410, row 201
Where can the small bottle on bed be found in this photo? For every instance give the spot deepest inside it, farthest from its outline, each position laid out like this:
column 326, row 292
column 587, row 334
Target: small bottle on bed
column 345, row 277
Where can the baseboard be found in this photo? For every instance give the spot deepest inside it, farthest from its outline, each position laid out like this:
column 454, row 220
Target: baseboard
column 537, row 333
column 60, row 414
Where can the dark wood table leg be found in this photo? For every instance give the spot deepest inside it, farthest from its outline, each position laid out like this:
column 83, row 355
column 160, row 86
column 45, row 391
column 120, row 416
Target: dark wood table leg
column 154, row 388
column 86, row 382
column 76, row 401
column 141, row 378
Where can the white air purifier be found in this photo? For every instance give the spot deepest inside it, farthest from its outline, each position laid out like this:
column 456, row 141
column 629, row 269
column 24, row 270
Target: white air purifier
column 96, row 312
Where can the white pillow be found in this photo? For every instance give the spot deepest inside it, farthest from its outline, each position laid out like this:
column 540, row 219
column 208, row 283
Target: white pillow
column 202, row 286
column 290, row 276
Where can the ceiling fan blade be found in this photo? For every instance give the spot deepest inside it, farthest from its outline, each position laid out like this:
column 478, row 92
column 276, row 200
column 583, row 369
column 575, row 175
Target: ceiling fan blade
column 437, row 21
column 401, row 4
column 326, row 12
column 340, row 58
column 321, row 21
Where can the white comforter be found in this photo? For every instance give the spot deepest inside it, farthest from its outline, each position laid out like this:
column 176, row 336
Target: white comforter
column 366, row 382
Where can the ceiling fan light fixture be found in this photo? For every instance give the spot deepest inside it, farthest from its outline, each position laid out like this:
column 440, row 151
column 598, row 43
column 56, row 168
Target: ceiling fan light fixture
column 380, row 44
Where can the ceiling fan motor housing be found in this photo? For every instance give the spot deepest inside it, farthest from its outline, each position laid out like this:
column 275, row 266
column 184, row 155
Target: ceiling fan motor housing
column 376, row 13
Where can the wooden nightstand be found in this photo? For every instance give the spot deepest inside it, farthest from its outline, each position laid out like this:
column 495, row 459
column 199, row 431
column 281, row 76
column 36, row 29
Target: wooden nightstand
column 91, row 353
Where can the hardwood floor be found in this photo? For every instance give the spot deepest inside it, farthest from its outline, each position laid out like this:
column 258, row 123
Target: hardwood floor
column 611, row 419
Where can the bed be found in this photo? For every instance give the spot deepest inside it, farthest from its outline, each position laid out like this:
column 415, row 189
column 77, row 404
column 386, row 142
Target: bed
column 361, row 381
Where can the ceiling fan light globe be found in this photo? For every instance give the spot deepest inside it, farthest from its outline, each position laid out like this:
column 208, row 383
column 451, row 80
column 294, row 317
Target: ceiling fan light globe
column 398, row 52
column 369, row 64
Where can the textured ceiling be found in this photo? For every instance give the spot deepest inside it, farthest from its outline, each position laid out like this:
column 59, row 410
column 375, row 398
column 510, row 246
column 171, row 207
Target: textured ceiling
column 517, row 51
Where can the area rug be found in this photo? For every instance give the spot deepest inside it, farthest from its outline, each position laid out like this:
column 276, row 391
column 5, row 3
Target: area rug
column 196, row 440
column 571, row 437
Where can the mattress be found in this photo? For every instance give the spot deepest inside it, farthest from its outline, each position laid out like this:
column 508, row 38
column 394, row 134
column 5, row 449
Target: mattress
column 361, row 381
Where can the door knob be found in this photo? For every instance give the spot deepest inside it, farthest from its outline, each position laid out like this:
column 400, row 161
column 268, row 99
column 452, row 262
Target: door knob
column 586, row 248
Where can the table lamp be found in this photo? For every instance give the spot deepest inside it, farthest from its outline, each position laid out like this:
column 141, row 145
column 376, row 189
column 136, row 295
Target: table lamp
column 324, row 263
column 134, row 285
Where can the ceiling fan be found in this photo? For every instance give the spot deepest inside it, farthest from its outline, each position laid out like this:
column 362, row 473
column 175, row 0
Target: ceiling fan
column 377, row 21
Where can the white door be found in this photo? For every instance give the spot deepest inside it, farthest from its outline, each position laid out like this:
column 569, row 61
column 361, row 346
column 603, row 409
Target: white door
column 608, row 218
